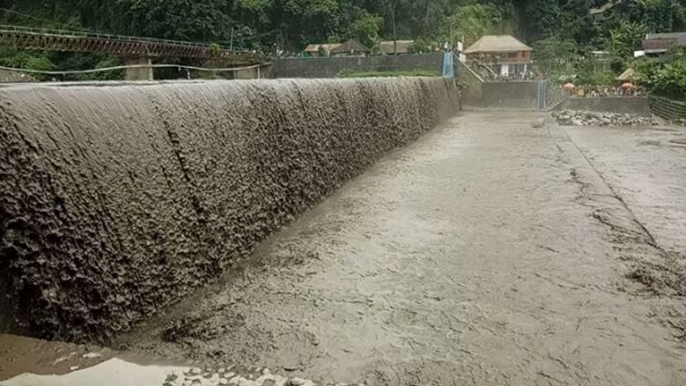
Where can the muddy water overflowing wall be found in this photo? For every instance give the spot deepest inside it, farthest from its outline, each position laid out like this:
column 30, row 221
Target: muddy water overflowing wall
column 117, row 200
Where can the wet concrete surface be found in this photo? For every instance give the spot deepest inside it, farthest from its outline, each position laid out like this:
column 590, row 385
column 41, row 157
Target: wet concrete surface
column 488, row 252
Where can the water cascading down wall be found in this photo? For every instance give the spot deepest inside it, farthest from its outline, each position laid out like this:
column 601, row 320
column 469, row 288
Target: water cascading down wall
column 118, row 200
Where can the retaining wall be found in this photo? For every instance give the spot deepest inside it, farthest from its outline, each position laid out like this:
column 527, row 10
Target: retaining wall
column 331, row 67
column 471, row 80
column 118, row 200
column 621, row 105
column 504, row 95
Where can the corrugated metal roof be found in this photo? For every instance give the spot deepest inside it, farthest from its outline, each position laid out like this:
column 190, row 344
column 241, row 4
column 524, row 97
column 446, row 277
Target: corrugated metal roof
column 679, row 36
column 402, row 46
column 327, row 47
column 350, row 46
column 662, row 42
column 497, row 43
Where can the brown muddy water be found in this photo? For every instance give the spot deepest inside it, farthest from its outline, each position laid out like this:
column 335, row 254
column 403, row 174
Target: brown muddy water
column 488, row 252
column 30, row 362
column 117, row 200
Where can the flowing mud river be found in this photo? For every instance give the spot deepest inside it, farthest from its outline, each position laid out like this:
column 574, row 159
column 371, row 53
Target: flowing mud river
column 488, row 252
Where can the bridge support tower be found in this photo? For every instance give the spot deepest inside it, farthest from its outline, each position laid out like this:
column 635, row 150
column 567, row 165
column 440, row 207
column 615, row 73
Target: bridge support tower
column 139, row 73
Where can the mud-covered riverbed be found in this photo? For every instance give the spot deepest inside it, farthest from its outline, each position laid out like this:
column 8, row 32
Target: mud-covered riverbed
column 487, row 253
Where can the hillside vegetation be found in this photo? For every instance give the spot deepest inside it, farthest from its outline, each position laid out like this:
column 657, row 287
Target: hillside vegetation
column 562, row 31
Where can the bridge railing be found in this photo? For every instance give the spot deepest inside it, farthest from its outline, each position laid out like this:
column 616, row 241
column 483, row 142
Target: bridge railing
column 103, row 36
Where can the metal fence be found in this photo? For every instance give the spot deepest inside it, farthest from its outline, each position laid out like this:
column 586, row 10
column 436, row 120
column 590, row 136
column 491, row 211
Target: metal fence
column 554, row 96
column 667, row 108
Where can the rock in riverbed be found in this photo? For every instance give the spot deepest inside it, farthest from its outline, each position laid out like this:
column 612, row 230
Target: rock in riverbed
column 221, row 376
column 198, row 377
column 592, row 118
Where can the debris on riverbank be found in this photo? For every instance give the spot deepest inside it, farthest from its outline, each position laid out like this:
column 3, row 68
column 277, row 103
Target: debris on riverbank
column 592, row 118
column 225, row 376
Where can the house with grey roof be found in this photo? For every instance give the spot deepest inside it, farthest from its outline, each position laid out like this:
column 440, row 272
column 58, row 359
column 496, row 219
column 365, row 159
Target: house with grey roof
column 659, row 44
column 397, row 47
column 351, row 48
column 502, row 54
column 320, row 50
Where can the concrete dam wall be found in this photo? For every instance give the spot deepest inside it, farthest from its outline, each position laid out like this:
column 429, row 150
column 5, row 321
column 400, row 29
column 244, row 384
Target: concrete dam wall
column 117, row 200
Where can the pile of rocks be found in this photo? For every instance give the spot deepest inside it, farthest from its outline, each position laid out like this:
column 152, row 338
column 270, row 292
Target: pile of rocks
column 225, row 376
column 591, row 118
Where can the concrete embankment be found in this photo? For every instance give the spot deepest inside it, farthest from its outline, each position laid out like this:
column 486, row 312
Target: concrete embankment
column 116, row 201
column 618, row 105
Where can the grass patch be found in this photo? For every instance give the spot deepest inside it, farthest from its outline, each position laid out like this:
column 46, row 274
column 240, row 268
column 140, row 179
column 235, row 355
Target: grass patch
column 384, row 74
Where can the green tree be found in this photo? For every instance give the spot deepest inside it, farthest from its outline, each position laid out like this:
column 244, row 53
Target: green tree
column 540, row 19
column 306, row 21
column 366, row 29
column 556, row 56
column 473, row 21
column 656, row 15
column 664, row 78
column 14, row 58
column 291, row 24
column 626, row 38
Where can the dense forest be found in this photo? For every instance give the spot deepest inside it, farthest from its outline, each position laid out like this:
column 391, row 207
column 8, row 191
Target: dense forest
column 556, row 28
column 291, row 24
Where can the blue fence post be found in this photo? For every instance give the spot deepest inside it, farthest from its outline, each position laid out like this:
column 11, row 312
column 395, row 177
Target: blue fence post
column 448, row 70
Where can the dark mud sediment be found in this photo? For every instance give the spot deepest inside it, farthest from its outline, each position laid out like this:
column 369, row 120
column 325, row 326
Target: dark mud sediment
column 116, row 201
